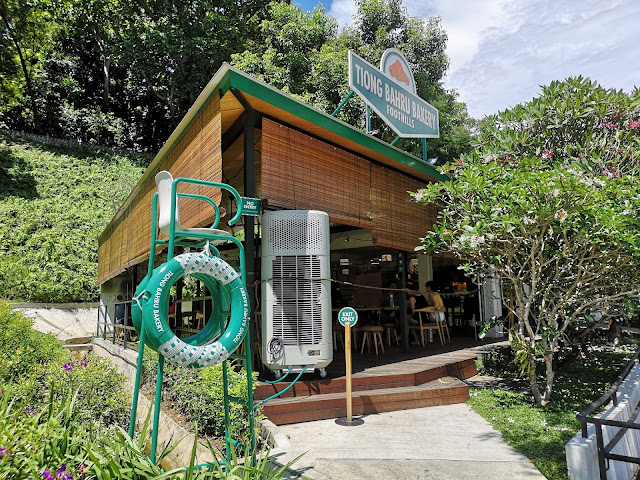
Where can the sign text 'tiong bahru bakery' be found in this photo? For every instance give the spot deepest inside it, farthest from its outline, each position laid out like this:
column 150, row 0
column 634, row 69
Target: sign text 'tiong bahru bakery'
column 391, row 93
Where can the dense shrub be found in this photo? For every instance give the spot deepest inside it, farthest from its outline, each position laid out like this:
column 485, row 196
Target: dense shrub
column 54, row 202
column 22, row 349
column 198, row 395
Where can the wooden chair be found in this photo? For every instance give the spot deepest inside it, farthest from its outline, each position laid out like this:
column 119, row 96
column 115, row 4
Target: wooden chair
column 372, row 332
column 444, row 325
column 425, row 324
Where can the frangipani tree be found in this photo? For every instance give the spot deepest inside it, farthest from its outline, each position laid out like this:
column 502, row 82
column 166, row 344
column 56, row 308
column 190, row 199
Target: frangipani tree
column 549, row 203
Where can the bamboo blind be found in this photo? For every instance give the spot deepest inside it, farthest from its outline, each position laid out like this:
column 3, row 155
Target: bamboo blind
column 198, row 154
column 301, row 172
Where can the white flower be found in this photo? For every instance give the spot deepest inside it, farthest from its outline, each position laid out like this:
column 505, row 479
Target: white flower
column 555, row 192
column 543, row 423
column 587, row 181
column 627, row 212
column 561, row 215
column 529, row 221
column 511, row 420
column 418, row 196
column 599, row 182
column 475, row 240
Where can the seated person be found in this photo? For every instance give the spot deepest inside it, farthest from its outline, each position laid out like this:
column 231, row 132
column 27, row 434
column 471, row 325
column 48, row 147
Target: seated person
column 120, row 311
column 434, row 300
column 416, row 301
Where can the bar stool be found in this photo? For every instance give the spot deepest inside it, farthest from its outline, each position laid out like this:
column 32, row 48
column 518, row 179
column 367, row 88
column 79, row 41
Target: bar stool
column 372, row 332
column 390, row 328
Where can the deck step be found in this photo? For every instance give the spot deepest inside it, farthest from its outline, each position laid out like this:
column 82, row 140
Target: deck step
column 459, row 368
column 443, row 391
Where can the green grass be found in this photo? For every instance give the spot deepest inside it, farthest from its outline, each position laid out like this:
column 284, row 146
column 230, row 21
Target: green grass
column 54, row 202
column 541, row 433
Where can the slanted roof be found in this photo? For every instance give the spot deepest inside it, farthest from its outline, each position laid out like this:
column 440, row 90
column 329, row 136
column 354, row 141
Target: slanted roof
column 227, row 84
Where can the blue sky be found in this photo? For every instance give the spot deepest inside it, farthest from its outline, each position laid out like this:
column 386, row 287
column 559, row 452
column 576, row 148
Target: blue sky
column 502, row 51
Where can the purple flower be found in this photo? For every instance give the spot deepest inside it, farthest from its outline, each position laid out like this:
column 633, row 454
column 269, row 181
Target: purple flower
column 60, row 475
column 4, row 451
column 68, row 366
column 47, row 475
column 29, row 410
column 83, row 363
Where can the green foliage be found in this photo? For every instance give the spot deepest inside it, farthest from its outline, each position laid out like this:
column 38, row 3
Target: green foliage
column 301, row 54
column 39, row 438
column 130, row 66
column 198, row 395
column 22, row 349
column 548, row 203
column 541, row 433
column 54, row 203
column 59, row 414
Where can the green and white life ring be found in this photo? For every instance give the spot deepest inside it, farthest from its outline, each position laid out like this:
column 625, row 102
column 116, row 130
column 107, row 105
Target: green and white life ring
column 196, row 351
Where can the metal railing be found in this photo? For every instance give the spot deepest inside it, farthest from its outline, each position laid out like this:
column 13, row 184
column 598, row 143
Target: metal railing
column 605, row 451
column 114, row 329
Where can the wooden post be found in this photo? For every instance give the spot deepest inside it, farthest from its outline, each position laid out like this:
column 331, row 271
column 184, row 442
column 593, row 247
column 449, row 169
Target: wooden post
column 347, row 359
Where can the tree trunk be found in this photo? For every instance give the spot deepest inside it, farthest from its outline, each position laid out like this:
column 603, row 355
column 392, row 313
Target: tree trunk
column 25, row 70
column 533, row 383
column 548, row 360
column 105, row 84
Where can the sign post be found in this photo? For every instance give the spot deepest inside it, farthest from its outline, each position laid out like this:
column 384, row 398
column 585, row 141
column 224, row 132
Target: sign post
column 348, row 317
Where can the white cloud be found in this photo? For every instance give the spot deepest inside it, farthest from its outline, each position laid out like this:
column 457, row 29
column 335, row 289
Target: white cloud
column 548, row 40
column 502, row 51
column 343, row 11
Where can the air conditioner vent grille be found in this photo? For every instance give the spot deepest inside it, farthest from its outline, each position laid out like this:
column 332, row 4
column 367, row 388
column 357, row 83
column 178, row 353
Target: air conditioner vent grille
column 297, row 307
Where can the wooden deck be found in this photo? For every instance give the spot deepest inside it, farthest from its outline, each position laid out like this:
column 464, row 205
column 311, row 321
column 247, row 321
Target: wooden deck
column 425, row 376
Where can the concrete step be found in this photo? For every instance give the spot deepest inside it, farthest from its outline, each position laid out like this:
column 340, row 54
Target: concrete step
column 443, row 391
column 79, row 347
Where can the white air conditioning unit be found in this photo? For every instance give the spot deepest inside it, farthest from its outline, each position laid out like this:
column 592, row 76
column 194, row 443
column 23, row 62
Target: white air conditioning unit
column 296, row 291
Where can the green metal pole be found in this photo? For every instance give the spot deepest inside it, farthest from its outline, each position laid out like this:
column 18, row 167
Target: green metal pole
column 367, row 118
column 424, row 149
column 156, row 411
column 136, row 388
column 395, row 140
column 227, row 421
column 343, row 103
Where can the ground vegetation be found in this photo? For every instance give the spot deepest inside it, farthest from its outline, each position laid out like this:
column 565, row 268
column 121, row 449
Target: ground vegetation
column 540, row 433
column 54, row 202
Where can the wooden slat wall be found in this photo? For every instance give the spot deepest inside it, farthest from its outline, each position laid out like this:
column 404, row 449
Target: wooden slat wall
column 301, row 172
column 198, row 154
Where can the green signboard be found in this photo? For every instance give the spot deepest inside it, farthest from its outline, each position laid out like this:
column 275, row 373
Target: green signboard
column 347, row 314
column 406, row 113
column 251, row 206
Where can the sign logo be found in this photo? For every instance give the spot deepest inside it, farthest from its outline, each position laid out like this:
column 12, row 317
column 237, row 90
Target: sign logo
column 394, row 65
column 391, row 97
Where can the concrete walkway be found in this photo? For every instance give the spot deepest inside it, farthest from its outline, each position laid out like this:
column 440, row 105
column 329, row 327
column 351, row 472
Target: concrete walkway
column 435, row 443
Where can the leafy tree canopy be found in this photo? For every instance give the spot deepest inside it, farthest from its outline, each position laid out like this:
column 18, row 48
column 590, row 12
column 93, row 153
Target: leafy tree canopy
column 549, row 204
column 302, row 54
